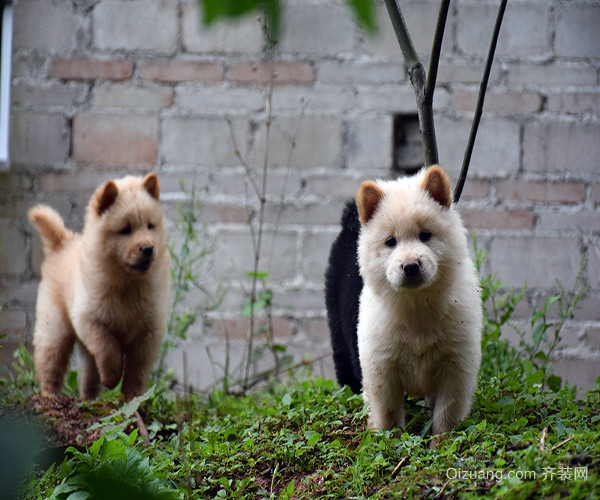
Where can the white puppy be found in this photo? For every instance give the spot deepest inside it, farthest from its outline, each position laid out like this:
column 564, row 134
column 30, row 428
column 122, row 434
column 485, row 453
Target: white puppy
column 420, row 311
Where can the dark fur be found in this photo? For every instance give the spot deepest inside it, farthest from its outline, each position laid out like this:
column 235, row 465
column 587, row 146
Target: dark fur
column 343, row 285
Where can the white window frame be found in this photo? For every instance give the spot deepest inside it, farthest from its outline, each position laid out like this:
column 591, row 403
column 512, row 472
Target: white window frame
column 6, row 58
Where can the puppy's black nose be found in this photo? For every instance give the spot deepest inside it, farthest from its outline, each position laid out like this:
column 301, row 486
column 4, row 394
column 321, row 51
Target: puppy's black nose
column 147, row 250
column 411, row 268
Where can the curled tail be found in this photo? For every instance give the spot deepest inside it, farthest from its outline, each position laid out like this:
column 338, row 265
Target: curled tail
column 50, row 226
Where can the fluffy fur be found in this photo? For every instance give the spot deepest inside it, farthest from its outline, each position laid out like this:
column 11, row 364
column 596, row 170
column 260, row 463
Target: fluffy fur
column 419, row 319
column 107, row 288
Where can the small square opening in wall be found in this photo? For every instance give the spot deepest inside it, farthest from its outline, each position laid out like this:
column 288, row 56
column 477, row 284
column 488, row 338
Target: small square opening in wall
column 408, row 150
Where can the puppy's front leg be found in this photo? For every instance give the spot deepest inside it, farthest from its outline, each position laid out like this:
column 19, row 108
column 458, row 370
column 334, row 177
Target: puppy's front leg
column 386, row 402
column 140, row 357
column 453, row 400
column 106, row 351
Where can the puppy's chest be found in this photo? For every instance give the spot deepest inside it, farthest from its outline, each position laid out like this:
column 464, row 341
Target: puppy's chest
column 415, row 366
column 127, row 317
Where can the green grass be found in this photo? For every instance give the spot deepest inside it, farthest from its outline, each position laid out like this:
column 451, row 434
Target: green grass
column 307, row 438
column 527, row 436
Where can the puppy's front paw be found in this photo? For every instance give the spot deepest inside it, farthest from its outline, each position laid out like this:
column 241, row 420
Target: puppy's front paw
column 436, row 441
column 111, row 371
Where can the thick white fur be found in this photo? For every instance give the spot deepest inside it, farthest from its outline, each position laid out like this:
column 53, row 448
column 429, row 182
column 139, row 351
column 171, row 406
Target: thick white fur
column 422, row 340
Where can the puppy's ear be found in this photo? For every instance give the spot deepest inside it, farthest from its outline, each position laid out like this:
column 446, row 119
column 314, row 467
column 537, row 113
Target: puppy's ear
column 105, row 197
column 367, row 199
column 152, row 185
column 437, row 184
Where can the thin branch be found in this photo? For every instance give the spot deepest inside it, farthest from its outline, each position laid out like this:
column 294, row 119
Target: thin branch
column 418, row 79
column 480, row 100
column 399, row 25
column 436, row 49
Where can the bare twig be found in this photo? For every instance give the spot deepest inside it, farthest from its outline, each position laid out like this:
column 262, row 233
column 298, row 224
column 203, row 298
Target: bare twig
column 480, row 100
column 444, row 486
column 142, row 428
column 399, row 466
column 543, row 438
column 564, row 441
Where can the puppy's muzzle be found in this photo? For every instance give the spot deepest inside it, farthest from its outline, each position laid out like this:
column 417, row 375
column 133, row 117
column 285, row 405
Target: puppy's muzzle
column 412, row 276
column 146, row 258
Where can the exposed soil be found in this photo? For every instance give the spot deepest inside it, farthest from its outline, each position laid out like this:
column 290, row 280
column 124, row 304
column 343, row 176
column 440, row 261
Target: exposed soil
column 66, row 421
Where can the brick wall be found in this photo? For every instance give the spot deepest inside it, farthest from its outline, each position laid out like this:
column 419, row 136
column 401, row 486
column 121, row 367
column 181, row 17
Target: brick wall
column 107, row 87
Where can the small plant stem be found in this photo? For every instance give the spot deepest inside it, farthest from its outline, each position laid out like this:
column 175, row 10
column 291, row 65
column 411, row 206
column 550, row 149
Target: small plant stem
column 262, row 196
column 480, row 100
column 418, row 79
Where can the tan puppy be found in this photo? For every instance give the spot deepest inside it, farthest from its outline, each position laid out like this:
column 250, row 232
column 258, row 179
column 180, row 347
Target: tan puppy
column 420, row 311
column 108, row 288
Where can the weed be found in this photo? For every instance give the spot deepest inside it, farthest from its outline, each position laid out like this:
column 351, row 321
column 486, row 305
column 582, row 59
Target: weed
column 186, row 257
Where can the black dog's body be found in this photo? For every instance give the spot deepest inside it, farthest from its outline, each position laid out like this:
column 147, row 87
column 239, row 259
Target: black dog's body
column 343, row 285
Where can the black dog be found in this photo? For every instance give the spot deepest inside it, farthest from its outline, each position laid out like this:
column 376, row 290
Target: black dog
column 343, row 285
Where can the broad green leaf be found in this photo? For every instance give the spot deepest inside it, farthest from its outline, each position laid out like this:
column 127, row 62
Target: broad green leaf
column 364, row 10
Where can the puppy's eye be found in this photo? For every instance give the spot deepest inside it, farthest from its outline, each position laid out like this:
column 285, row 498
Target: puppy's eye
column 150, row 226
column 424, row 236
column 126, row 230
column 390, row 242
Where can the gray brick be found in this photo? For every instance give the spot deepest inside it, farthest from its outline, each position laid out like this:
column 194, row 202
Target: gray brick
column 496, row 151
column 234, row 255
column 455, row 71
column 317, row 29
column 594, row 268
column 27, row 97
column 392, row 99
column 13, row 323
column 302, row 300
column 348, row 72
column 128, row 96
column 14, row 183
column 577, row 33
column 236, row 183
column 537, row 261
column 324, row 99
column 580, row 372
column 12, row 243
column 594, row 338
column 500, row 102
column 136, row 25
column 551, row 74
column 115, row 139
column 571, row 147
column 318, row 142
column 525, row 29
column 201, row 140
column 315, row 254
column 370, row 143
column 574, row 102
column 43, row 25
column 39, row 138
column 313, row 214
column 334, row 186
column 587, row 308
column 221, row 100
column 242, row 36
